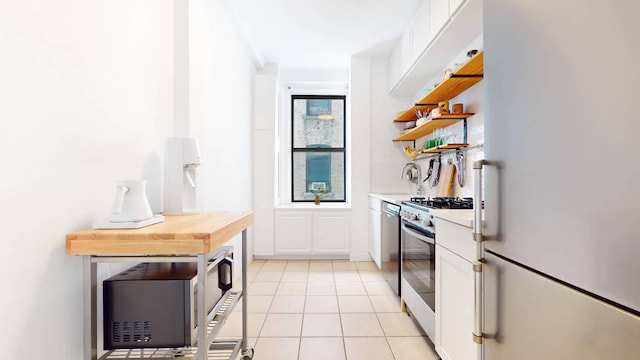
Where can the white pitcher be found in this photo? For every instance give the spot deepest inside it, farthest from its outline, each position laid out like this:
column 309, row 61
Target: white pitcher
column 131, row 202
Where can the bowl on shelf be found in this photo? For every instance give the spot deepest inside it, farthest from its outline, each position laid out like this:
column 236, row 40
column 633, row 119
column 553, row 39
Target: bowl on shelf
column 409, row 125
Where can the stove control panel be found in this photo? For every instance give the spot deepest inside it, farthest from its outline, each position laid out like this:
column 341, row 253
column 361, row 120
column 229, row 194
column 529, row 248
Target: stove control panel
column 419, row 216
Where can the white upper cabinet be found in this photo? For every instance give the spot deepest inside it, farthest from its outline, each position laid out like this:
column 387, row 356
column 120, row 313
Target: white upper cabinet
column 454, row 5
column 400, row 59
column 440, row 30
column 420, row 32
column 438, row 15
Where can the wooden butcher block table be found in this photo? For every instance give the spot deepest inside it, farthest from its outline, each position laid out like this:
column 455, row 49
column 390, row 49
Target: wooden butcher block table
column 189, row 234
column 188, row 238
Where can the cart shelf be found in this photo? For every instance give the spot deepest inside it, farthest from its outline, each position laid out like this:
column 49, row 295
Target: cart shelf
column 218, row 350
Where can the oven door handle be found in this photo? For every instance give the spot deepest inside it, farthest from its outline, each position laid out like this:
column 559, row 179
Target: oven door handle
column 417, row 235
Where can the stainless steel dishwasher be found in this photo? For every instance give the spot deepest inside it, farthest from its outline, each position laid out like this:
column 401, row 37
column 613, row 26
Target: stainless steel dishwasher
column 390, row 238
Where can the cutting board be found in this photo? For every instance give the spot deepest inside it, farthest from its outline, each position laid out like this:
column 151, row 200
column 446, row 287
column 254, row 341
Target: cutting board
column 446, row 179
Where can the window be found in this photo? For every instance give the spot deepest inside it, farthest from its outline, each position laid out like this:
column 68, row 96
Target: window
column 318, row 147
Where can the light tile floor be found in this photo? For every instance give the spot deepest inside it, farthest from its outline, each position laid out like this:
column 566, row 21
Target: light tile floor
column 325, row 309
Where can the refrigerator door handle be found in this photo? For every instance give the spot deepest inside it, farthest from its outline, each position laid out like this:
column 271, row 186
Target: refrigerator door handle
column 477, row 199
column 478, row 335
column 477, row 265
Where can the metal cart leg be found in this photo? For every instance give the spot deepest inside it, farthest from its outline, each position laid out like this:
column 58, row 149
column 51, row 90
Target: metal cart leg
column 247, row 351
column 89, row 309
column 203, row 349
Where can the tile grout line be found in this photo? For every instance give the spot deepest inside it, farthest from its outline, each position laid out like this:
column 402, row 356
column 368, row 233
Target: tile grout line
column 344, row 343
column 340, row 312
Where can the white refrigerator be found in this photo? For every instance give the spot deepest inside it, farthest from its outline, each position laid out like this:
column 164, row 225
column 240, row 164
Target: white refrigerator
column 561, row 277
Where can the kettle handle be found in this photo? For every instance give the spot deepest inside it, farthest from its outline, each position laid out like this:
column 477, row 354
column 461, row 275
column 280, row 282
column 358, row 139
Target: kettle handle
column 117, row 206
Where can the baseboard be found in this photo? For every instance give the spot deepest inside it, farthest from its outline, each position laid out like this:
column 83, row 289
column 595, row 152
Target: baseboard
column 360, row 257
column 301, row 257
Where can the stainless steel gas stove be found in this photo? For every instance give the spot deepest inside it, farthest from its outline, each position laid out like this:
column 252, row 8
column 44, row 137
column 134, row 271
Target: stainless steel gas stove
column 418, row 239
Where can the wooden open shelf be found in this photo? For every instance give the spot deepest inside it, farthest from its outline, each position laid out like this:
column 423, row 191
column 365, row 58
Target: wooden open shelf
column 468, row 75
column 410, row 115
column 443, row 148
column 427, row 128
column 437, row 149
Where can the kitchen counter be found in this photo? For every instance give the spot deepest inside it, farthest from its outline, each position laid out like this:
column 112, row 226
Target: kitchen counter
column 460, row 217
column 393, row 198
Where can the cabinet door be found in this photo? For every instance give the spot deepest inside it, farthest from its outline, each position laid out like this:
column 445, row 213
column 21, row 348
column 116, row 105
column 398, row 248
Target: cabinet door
column 375, row 239
column 420, row 35
column 454, row 5
column 438, row 15
column 454, row 307
column 332, row 232
column 293, row 232
column 399, row 61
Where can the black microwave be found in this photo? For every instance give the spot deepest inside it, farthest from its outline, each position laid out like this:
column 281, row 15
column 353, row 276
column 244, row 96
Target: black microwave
column 154, row 305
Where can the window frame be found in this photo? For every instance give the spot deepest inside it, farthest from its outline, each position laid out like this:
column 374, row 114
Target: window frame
column 328, row 150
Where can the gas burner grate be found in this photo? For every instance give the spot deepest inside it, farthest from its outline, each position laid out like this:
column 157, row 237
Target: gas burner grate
column 450, row 203
column 444, row 202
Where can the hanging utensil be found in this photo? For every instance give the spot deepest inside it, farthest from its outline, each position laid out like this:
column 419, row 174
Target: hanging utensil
column 429, row 170
column 435, row 173
column 461, row 165
column 449, row 169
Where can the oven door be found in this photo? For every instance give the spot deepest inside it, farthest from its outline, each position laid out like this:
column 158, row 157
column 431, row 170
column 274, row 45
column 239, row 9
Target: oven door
column 419, row 262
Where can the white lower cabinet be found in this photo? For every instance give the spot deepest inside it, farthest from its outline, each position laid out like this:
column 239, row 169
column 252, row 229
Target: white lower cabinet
column 293, row 232
column 311, row 232
column 454, row 292
column 331, row 233
column 375, row 230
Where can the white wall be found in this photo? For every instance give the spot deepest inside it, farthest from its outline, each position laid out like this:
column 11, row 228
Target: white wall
column 360, row 114
column 87, row 97
column 387, row 157
column 265, row 147
column 273, row 90
column 299, row 75
column 226, row 130
column 221, row 115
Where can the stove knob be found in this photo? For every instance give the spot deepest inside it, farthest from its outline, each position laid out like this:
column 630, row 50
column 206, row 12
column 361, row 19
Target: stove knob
column 413, row 217
column 426, row 222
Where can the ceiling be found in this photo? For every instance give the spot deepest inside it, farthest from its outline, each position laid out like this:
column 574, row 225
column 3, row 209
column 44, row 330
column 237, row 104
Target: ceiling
column 320, row 34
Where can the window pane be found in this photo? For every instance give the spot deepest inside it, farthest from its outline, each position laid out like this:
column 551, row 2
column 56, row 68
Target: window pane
column 318, row 123
column 314, row 170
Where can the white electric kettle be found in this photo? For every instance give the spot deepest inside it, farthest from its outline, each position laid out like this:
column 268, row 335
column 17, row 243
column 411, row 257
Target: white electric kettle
column 131, row 202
